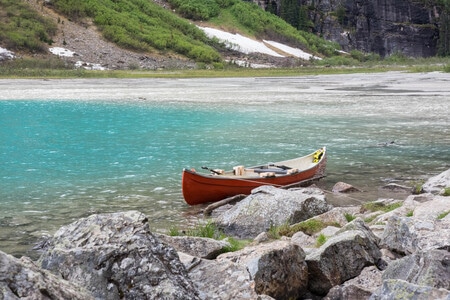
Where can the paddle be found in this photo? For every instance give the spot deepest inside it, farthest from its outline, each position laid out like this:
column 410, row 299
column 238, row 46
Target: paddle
column 211, row 170
column 281, row 167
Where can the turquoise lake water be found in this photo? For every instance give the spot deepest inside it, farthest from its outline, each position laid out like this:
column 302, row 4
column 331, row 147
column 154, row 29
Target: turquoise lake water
column 67, row 157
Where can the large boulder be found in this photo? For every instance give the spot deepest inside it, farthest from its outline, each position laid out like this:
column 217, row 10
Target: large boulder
column 407, row 235
column 437, row 183
column 400, row 289
column 277, row 268
column 220, row 279
column 268, row 206
column 342, row 257
column 195, row 246
column 115, row 256
column 360, row 287
column 430, row 268
column 22, row 279
column 432, row 209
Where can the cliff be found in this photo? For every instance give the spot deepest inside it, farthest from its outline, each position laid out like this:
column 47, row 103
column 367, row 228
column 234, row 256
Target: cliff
column 384, row 27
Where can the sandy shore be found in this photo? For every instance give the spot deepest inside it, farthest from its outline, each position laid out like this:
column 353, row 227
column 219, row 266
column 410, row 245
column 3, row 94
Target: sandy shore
column 435, row 83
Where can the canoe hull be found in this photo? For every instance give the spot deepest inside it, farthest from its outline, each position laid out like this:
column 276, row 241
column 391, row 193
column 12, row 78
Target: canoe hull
column 203, row 188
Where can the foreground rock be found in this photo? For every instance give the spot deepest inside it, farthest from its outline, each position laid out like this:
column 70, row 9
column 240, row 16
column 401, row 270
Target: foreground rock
column 23, row 279
column 278, row 269
column 268, row 206
column 341, row 258
column 115, row 256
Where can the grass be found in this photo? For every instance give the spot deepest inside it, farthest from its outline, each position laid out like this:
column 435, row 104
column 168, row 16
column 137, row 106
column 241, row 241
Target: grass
column 321, row 239
column 349, row 217
column 443, row 215
column 309, row 227
column 57, row 68
column 378, row 206
column 210, row 230
column 446, row 191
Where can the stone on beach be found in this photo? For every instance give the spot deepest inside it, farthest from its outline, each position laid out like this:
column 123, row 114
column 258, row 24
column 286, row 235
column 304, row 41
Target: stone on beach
column 115, row 256
column 268, row 206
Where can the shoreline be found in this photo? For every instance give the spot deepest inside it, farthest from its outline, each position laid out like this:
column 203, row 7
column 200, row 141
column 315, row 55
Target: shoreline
column 139, row 89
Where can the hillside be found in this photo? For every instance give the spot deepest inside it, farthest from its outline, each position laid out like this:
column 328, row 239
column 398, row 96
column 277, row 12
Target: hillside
column 89, row 37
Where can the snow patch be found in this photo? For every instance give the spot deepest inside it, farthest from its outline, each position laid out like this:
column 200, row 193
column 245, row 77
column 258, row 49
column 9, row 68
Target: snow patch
column 247, row 45
column 292, row 51
column 61, row 51
column 6, row 54
column 89, row 66
column 238, row 42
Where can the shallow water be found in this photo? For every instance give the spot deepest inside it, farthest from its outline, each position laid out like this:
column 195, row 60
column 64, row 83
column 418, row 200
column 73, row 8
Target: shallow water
column 70, row 148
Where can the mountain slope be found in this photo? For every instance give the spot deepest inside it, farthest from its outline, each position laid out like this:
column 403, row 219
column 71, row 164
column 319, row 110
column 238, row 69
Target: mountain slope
column 150, row 35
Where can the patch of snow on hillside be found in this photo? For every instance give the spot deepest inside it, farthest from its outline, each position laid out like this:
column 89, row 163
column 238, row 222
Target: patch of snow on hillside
column 239, row 43
column 61, row 52
column 246, row 45
column 6, row 54
column 292, row 51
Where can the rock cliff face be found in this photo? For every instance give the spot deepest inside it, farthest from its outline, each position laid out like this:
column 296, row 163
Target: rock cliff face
column 384, row 27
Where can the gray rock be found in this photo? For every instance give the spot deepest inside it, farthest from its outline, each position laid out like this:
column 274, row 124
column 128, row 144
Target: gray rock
column 115, row 256
column 400, row 289
column 342, row 187
column 195, row 246
column 269, row 206
column 219, row 279
column 303, row 240
column 430, row 268
column 22, row 279
column 360, row 287
column 408, row 235
column 342, row 257
column 277, row 268
column 433, row 208
column 435, row 184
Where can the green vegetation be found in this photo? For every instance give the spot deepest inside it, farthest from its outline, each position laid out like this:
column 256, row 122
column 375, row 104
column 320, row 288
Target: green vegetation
column 142, row 25
column 209, row 230
column 378, row 206
column 321, row 239
column 443, row 215
column 309, row 227
column 446, row 191
column 349, row 217
column 410, row 213
column 22, row 29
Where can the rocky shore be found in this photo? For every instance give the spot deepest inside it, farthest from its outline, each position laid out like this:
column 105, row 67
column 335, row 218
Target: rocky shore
column 387, row 249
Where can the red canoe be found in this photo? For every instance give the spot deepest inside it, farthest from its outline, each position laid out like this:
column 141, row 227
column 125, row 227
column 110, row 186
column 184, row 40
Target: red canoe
column 201, row 188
